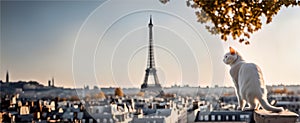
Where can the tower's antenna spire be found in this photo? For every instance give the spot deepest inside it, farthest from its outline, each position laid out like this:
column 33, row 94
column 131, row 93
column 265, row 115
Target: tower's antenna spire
column 52, row 81
column 150, row 20
column 7, row 76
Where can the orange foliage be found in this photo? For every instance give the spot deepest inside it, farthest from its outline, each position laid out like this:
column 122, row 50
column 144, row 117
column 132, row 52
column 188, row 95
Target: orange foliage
column 100, row 95
column 141, row 94
column 236, row 18
column 119, row 92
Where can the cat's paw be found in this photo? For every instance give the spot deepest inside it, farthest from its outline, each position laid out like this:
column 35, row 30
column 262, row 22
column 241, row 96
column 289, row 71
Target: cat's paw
column 238, row 108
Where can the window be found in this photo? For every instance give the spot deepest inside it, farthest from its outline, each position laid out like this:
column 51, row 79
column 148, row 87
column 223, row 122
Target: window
column 247, row 116
column 227, row 117
column 213, row 117
column 219, row 117
column 242, row 117
column 201, row 117
column 233, row 117
column 206, row 117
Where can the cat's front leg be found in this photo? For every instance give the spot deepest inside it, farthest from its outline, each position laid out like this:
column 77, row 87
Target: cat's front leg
column 240, row 102
column 239, row 98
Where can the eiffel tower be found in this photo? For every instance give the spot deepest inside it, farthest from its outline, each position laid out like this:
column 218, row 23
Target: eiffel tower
column 154, row 88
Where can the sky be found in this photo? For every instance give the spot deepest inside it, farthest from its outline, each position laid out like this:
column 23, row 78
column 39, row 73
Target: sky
column 104, row 43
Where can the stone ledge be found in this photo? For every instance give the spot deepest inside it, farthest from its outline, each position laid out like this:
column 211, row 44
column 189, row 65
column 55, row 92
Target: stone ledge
column 263, row 116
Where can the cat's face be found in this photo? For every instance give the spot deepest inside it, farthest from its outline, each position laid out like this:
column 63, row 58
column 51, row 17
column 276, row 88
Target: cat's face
column 230, row 57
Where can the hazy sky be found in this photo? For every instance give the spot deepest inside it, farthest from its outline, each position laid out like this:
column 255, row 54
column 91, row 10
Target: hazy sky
column 104, row 43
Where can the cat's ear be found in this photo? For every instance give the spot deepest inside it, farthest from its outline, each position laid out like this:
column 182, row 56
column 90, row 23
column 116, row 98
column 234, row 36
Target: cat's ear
column 232, row 51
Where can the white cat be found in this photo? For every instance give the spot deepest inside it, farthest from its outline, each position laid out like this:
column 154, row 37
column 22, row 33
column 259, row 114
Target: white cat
column 249, row 83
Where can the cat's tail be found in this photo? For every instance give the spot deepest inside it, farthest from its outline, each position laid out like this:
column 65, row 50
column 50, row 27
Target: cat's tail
column 264, row 103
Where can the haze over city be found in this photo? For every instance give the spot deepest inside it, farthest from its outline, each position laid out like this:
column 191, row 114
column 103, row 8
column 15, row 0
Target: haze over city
column 104, row 43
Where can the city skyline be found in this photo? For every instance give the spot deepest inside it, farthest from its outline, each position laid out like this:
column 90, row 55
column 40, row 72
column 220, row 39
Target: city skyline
column 41, row 40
